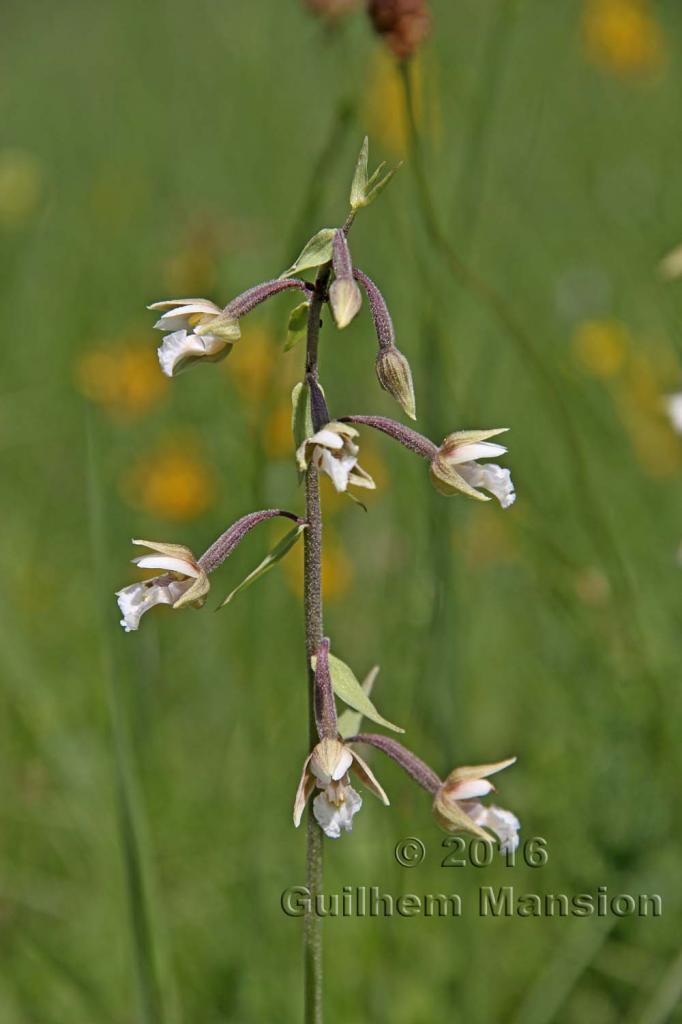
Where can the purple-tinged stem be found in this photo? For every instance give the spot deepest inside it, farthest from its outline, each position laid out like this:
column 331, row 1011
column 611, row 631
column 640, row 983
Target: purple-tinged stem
column 228, row 541
column 407, row 437
column 252, row 297
column 409, row 762
column 383, row 325
column 325, row 708
column 312, row 605
column 341, row 258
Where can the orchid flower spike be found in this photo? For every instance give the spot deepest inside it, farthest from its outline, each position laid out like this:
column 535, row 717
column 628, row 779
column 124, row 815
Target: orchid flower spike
column 182, row 583
column 327, row 768
column 457, row 808
column 200, row 330
column 455, row 468
column 332, row 450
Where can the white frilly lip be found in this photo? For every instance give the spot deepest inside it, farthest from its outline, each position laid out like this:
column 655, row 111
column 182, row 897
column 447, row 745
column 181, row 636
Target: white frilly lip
column 491, row 477
column 179, row 348
column 503, row 823
column 138, row 598
column 333, row 818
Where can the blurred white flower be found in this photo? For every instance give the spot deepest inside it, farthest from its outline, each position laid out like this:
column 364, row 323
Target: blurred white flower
column 199, row 330
column 673, row 407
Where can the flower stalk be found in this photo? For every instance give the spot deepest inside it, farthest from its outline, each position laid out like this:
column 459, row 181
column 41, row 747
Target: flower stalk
column 312, row 608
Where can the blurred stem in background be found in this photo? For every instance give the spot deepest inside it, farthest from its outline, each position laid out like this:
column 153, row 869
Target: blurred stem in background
column 150, row 967
column 549, row 388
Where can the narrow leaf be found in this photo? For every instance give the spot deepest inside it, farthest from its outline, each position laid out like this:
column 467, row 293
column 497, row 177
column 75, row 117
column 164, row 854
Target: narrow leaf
column 315, row 252
column 301, row 415
column 348, row 689
column 373, row 192
column 350, row 722
column 268, row 563
column 297, row 325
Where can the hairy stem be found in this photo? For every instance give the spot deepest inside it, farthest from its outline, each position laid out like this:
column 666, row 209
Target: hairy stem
column 312, row 602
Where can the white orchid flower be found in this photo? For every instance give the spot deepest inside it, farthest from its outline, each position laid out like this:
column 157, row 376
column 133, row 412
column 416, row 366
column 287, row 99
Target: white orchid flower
column 198, row 330
column 182, row 583
column 455, row 469
column 332, row 450
column 327, row 768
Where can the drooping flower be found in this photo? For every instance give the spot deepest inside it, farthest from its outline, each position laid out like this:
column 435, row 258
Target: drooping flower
column 332, row 450
column 199, row 330
column 457, row 808
column 327, row 768
column 182, row 583
column 455, row 468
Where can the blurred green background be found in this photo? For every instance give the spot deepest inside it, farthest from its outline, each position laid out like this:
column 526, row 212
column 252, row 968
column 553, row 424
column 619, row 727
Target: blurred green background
column 147, row 781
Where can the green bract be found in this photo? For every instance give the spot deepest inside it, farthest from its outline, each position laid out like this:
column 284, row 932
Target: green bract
column 347, row 687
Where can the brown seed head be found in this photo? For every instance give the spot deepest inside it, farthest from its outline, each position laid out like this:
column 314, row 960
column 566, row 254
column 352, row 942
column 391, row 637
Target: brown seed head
column 403, row 24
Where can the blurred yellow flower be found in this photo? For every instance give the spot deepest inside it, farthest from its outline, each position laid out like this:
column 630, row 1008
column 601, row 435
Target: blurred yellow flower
column 623, row 37
column 21, row 181
column 384, row 103
column 124, row 377
column 601, row 347
column 338, row 571
column 642, row 411
column 174, row 482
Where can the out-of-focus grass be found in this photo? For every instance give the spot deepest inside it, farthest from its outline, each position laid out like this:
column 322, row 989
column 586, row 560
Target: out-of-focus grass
column 167, row 149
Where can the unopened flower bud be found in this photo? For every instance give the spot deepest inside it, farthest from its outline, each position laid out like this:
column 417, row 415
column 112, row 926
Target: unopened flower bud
column 395, row 376
column 345, row 297
column 345, row 300
column 403, row 24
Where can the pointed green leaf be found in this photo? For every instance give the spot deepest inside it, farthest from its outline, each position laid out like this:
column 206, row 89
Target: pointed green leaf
column 348, row 689
column 358, row 189
column 315, row 252
column 350, row 721
column 268, row 563
column 301, row 416
column 373, row 192
column 297, row 325
column 364, row 191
